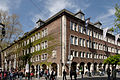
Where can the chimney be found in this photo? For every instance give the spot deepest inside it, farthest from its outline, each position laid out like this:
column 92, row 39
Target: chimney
column 80, row 15
column 98, row 24
column 39, row 23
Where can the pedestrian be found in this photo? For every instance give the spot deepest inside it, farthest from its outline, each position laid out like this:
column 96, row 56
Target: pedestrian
column 114, row 73
column 82, row 72
column 75, row 75
column 11, row 75
column 45, row 74
column 0, row 75
column 51, row 76
column 108, row 72
column 55, row 74
column 64, row 75
column 71, row 74
column 32, row 74
column 20, row 75
column 48, row 74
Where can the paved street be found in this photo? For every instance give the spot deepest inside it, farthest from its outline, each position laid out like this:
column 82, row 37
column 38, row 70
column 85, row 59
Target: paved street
column 79, row 78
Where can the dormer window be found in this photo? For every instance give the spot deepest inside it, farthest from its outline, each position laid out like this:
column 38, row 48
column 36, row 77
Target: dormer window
column 80, row 15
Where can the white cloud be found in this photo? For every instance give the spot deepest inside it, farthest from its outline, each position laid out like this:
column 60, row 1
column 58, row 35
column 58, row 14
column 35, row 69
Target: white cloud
column 107, row 18
column 6, row 5
column 56, row 5
column 53, row 6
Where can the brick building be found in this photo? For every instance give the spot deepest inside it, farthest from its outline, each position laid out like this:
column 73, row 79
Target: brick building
column 76, row 47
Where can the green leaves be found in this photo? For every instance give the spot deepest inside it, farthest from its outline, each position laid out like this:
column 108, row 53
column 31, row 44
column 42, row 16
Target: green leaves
column 113, row 59
column 117, row 19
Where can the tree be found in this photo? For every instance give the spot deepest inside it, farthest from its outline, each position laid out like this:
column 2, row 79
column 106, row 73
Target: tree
column 13, row 28
column 113, row 60
column 116, row 27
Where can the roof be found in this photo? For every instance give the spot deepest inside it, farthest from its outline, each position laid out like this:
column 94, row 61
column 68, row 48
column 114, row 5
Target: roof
column 98, row 22
column 79, row 12
column 40, row 21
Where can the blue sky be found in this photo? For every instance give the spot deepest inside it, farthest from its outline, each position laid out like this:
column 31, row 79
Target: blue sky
column 29, row 11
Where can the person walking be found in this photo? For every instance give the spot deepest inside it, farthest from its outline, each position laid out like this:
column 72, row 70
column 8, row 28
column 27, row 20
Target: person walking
column 51, row 76
column 82, row 72
column 48, row 74
column 108, row 72
column 114, row 73
column 45, row 74
column 54, row 74
column 20, row 75
column 75, row 75
column 71, row 74
column 64, row 75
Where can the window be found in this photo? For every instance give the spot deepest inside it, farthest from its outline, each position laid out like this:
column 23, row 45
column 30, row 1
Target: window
column 84, row 54
column 38, row 47
column 95, row 56
column 45, row 32
column 42, row 45
column 44, row 57
column 87, row 55
column 93, row 45
column 76, row 41
column 96, row 45
column 24, row 52
column 54, row 54
column 90, row 55
column 72, row 39
column 31, row 39
column 76, row 54
column 80, row 41
column 45, row 44
column 83, row 42
column 109, row 49
column 90, row 32
column 24, row 43
column 38, row 35
column 80, row 54
column 42, row 33
column 28, row 41
column 76, row 27
column 88, row 43
column 71, row 25
column 72, row 52
column 79, row 28
column 33, row 49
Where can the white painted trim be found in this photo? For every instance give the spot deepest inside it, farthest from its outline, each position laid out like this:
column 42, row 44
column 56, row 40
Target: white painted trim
column 63, row 41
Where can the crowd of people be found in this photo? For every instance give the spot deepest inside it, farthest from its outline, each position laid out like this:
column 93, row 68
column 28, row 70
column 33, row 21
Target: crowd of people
column 46, row 73
column 15, row 74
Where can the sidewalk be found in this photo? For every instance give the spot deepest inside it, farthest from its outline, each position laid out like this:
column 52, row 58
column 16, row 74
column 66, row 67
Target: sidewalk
column 79, row 77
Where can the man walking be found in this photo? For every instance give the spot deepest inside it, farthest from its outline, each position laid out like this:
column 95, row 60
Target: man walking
column 108, row 72
column 64, row 75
